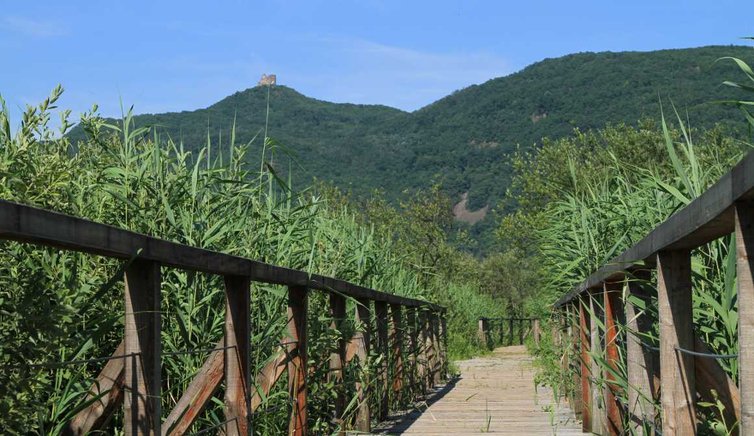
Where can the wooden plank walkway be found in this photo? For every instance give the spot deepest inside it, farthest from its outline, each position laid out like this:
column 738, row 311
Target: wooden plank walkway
column 494, row 394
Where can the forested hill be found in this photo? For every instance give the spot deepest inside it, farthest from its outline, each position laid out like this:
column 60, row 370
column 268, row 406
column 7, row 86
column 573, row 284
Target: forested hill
column 463, row 140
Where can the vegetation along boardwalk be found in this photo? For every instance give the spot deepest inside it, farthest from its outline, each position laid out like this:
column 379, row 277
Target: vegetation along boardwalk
column 493, row 394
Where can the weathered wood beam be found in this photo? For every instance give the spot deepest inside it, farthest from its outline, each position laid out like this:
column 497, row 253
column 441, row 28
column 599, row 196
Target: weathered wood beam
column 380, row 311
column 708, row 217
column 25, row 223
column 396, row 340
column 142, row 343
column 412, row 334
column 107, row 389
column 599, row 421
column 363, row 320
column 236, row 354
column 585, row 358
column 338, row 358
column 297, row 344
column 642, row 364
column 744, row 228
column 676, row 331
column 611, row 302
column 198, row 393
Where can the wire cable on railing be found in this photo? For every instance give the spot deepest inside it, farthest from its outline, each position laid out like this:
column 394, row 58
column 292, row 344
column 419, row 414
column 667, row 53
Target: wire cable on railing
column 708, row 355
column 693, row 353
column 214, row 426
column 78, row 362
column 197, row 351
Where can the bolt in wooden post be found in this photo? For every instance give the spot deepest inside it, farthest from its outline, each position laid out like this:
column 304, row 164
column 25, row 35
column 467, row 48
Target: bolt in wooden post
column 362, row 315
column 676, row 330
column 586, row 388
column 640, row 362
column 141, row 402
column 338, row 358
column 396, row 339
column 380, row 310
column 611, row 302
column 297, row 389
column 745, row 271
column 238, row 347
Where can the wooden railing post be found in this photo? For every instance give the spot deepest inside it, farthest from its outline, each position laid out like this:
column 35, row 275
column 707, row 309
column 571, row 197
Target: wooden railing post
column 421, row 333
column 435, row 338
column 412, row 333
column 599, row 421
column 745, row 271
column 363, row 317
column 338, row 358
column 396, row 339
column 380, row 310
column 297, row 342
column 573, row 365
column 676, row 330
column 141, row 406
column 238, row 348
column 482, row 332
column 586, row 386
column 444, row 345
column 510, row 331
column 611, row 302
column 641, row 366
column 536, row 333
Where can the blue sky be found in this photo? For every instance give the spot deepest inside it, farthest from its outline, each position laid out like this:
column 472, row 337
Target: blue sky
column 170, row 56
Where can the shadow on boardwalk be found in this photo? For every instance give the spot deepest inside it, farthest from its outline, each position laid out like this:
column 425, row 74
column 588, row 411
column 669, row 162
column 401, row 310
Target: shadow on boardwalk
column 495, row 394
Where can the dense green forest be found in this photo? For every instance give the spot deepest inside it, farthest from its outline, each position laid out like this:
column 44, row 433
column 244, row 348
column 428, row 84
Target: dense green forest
column 463, row 141
column 59, row 306
column 577, row 186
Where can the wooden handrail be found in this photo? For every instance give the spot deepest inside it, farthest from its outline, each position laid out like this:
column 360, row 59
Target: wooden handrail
column 708, row 217
column 134, row 376
column 726, row 207
column 25, row 223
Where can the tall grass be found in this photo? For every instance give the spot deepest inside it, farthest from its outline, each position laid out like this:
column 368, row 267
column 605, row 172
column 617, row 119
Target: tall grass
column 58, row 305
column 607, row 202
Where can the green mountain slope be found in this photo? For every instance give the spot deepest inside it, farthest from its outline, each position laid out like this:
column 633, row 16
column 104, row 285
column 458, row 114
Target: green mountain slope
column 463, row 140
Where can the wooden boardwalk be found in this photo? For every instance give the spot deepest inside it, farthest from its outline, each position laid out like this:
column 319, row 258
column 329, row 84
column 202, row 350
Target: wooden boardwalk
column 494, row 394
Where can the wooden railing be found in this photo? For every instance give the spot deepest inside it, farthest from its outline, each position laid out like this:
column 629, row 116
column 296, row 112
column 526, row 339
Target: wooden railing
column 411, row 334
column 508, row 331
column 681, row 368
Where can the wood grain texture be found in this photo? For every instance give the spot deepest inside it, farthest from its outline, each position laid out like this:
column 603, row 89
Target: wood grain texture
column 745, row 275
column 676, row 330
column 337, row 358
column 611, row 301
column 381, row 320
column 495, row 395
column 363, row 420
column 708, row 217
column 642, row 364
column 25, row 223
column 141, row 405
column 396, row 342
column 236, row 355
column 586, row 386
column 297, row 344
column 108, row 391
column 198, row 393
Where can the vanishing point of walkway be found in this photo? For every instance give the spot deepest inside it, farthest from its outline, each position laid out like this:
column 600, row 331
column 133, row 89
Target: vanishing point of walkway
column 494, row 394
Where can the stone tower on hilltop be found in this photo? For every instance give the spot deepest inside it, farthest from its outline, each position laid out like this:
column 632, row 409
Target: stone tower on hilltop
column 267, row 80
